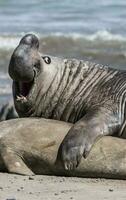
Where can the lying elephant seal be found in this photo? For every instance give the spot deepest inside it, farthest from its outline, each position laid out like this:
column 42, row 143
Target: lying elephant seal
column 29, row 146
column 89, row 95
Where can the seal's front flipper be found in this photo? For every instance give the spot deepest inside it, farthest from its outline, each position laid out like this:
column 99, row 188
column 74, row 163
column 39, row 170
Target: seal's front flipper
column 14, row 163
column 83, row 134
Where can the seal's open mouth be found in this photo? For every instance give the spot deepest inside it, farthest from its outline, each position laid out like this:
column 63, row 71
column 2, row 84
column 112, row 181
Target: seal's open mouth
column 22, row 89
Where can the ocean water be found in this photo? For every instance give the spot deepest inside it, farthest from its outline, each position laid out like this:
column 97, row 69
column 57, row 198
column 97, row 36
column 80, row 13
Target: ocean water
column 91, row 30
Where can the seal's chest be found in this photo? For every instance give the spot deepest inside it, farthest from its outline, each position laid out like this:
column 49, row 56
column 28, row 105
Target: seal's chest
column 63, row 110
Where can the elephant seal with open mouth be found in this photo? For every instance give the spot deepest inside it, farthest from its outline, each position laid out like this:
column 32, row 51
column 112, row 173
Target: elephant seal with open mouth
column 89, row 95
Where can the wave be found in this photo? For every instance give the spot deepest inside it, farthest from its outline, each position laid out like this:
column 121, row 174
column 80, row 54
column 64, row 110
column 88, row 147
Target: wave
column 103, row 35
column 8, row 42
column 100, row 47
column 5, row 84
column 6, row 89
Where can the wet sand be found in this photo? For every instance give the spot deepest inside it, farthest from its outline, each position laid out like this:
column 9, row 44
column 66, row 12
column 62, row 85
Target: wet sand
column 16, row 187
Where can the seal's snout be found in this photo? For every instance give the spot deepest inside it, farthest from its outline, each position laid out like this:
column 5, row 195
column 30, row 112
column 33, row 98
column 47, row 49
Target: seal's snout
column 20, row 67
column 30, row 40
column 24, row 58
column 23, row 62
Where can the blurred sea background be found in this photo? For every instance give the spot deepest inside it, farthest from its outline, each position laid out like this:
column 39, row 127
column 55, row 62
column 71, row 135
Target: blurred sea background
column 90, row 30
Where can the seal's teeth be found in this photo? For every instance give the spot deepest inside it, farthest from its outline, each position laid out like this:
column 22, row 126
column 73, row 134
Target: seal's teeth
column 20, row 97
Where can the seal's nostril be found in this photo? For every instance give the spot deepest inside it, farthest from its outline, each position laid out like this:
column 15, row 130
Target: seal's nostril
column 30, row 40
column 37, row 65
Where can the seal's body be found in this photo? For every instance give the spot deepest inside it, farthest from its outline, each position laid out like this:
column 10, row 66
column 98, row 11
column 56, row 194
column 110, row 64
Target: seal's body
column 89, row 95
column 29, row 146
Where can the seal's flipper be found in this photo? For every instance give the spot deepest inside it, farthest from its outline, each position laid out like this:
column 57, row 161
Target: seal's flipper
column 83, row 135
column 8, row 111
column 14, row 163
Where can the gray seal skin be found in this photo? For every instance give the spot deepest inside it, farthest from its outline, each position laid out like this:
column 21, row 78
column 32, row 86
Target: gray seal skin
column 90, row 95
column 29, row 146
column 7, row 111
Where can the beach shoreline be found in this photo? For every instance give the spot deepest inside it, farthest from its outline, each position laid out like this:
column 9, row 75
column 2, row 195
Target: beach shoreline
column 17, row 187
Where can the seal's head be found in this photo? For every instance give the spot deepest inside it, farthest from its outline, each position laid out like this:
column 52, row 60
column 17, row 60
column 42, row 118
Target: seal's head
column 23, row 64
column 31, row 72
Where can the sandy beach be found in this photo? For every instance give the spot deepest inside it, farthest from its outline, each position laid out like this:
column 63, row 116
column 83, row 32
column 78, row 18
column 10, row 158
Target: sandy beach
column 16, row 187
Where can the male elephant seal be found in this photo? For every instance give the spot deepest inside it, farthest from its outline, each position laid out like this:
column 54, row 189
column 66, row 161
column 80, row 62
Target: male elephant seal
column 29, row 146
column 89, row 95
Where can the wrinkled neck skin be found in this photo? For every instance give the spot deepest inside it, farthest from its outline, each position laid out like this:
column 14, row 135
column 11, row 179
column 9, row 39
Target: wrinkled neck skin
column 52, row 89
column 65, row 90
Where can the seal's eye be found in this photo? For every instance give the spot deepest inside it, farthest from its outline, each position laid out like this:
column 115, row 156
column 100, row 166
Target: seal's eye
column 47, row 59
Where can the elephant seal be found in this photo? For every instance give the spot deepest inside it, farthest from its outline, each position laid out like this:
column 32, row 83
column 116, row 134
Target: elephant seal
column 7, row 111
column 90, row 95
column 29, row 146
